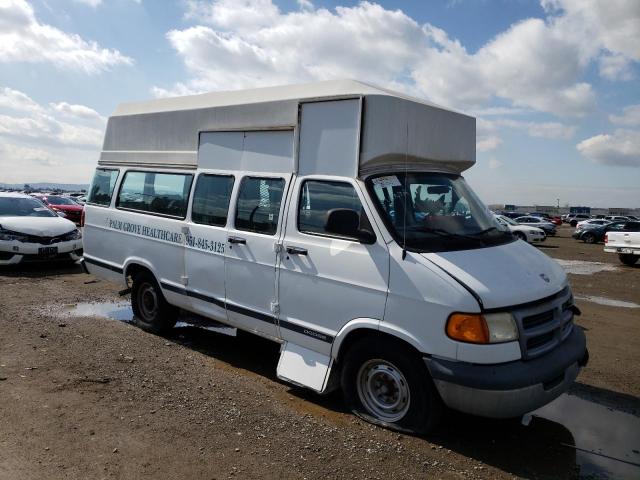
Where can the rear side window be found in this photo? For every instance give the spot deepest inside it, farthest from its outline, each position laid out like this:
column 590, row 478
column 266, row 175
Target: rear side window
column 156, row 193
column 104, row 181
column 318, row 198
column 211, row 199
column 258, row 206
column 632, row 227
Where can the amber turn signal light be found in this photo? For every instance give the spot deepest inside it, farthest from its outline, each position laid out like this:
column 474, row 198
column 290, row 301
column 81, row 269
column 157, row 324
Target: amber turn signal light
column 467, row 327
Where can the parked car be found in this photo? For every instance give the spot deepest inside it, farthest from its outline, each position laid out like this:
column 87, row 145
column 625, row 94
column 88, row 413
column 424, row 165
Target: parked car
column 31, row 231
column 598, row 217
column 557, row 221
column 578, row 217
column 71, row 209
column 633, row 218
column 511, row 214
column 548, row 227
column 596, row 234
column 616, row 218
column 523, row 232
column 625, row 242
column 584, row 224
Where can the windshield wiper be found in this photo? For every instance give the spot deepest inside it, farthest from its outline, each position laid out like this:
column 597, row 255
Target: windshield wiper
column 482, row 232
column 445, row 233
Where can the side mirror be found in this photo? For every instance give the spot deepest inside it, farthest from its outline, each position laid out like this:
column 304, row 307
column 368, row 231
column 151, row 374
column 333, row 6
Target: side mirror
column 346, row 223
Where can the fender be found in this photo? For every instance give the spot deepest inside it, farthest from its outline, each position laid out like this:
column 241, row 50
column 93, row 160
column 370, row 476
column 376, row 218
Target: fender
column 377, row 325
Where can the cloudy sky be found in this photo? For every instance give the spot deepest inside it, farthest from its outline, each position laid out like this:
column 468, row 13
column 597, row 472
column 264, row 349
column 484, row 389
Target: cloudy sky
column 554, row 84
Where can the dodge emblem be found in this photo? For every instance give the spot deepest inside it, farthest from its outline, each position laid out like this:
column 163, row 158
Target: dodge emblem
column 544, row 277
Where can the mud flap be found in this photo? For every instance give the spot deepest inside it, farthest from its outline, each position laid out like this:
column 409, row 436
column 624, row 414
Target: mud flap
column 304, row 367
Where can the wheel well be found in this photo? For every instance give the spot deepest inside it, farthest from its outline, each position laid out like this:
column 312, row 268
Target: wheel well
column 374, row 335
column 134, row 269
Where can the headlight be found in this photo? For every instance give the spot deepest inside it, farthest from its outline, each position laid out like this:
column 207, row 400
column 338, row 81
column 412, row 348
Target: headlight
column 75, row 235
column 8, row 235
column 477, row 328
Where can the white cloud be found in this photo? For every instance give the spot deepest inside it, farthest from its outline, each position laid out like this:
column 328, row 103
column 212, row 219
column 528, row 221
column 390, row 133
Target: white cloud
column 97, row 3
column 76, row 111
column 535, row 64
column 630, row 116
column 28, row 120
column 305, row 4
column 552, row 130
column 18, row 101
column 494, row 163
column 24, row 39
column 487, row 138
column 615, row 67
column 622, row 148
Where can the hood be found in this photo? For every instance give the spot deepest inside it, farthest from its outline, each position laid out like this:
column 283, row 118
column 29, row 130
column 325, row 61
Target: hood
column 504, row 275
column 39, row 226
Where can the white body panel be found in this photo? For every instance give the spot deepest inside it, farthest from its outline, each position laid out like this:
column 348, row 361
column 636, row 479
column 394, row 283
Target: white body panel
column 304, row 367
column 623, row 242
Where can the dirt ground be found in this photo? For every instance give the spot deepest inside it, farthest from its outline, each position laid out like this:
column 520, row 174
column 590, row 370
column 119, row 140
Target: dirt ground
column 87, row 397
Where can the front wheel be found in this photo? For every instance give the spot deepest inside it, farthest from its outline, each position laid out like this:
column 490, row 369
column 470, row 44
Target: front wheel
column 387, row 384
column 520, row 236
column 589, row 238
column 628, row 259
column 151, row 311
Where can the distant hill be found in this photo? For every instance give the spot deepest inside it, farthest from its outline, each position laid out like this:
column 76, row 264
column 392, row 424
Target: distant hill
column 70, row 187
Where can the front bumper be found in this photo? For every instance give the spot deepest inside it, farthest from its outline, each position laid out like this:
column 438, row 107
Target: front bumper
column 14, row 252
column 510, row 389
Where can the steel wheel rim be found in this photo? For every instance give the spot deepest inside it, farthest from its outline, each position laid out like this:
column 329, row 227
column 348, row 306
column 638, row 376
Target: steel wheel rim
column 148, row 301
column 383, row 390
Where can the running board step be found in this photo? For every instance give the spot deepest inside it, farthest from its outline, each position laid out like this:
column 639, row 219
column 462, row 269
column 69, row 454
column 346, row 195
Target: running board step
column 304, row 367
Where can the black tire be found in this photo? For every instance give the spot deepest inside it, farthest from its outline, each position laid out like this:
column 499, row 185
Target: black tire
column 520, row 236
column 573, row 223
column 151, row 312
column 589, row 238
column 628, row 259
column 383, row 363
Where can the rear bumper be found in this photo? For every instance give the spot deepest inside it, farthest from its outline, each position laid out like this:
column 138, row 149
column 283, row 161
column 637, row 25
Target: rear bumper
column 623, row 250
column 511, row 389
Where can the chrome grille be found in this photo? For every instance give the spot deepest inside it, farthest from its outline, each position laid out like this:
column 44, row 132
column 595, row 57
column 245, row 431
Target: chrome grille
column 544, row 325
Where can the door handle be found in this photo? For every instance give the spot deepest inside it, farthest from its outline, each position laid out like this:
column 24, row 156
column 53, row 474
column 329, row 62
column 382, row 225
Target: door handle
column 237, row 240
column 296, row 251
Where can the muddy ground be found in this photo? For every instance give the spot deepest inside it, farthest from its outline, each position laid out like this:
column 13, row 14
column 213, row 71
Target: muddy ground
column 87, row 397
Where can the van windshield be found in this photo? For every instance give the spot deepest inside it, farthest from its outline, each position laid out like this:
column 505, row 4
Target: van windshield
column 434, row 212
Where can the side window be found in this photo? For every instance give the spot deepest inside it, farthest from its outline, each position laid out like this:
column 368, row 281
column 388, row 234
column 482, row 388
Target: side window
column 154, row 192
column 318, row 198
column 258, row 207
column 101, row 191
column 211, row 199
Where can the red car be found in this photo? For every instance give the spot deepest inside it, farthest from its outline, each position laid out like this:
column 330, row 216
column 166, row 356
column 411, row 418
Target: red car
column 556, row 220
column 71, row 209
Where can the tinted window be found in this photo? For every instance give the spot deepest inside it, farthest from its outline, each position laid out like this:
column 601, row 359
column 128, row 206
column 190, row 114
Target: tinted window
column 258, row 206
column 153, row 192
column 318, row 198
column 60, row 201
column 23, row 207
column 104, row 181
column 632, row 226
column 211, row 199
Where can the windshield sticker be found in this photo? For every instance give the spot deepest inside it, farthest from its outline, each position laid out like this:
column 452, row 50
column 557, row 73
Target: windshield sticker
column 387, row 181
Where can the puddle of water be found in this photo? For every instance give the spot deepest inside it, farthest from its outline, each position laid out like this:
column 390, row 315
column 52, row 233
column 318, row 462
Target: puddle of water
column 122, row 312
column 607, row 442
column 580, row 267
column 610, row 302
column 114, row 310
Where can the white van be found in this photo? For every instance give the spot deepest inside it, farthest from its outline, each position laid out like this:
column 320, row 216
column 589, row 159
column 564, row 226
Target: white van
column 333, row 218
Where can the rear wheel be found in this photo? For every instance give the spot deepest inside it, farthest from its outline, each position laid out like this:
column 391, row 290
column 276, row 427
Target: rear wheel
column 151, row 310
column 387, row 384
column 573, row 223
column 520, row 236
column 589, row 238
column 628, row 259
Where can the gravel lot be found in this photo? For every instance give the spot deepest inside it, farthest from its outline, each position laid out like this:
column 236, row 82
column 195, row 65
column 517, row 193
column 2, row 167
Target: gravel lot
column 88, row 397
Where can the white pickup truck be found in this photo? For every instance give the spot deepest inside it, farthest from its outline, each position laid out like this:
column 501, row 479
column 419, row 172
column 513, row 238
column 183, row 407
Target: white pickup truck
column 626, row 243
